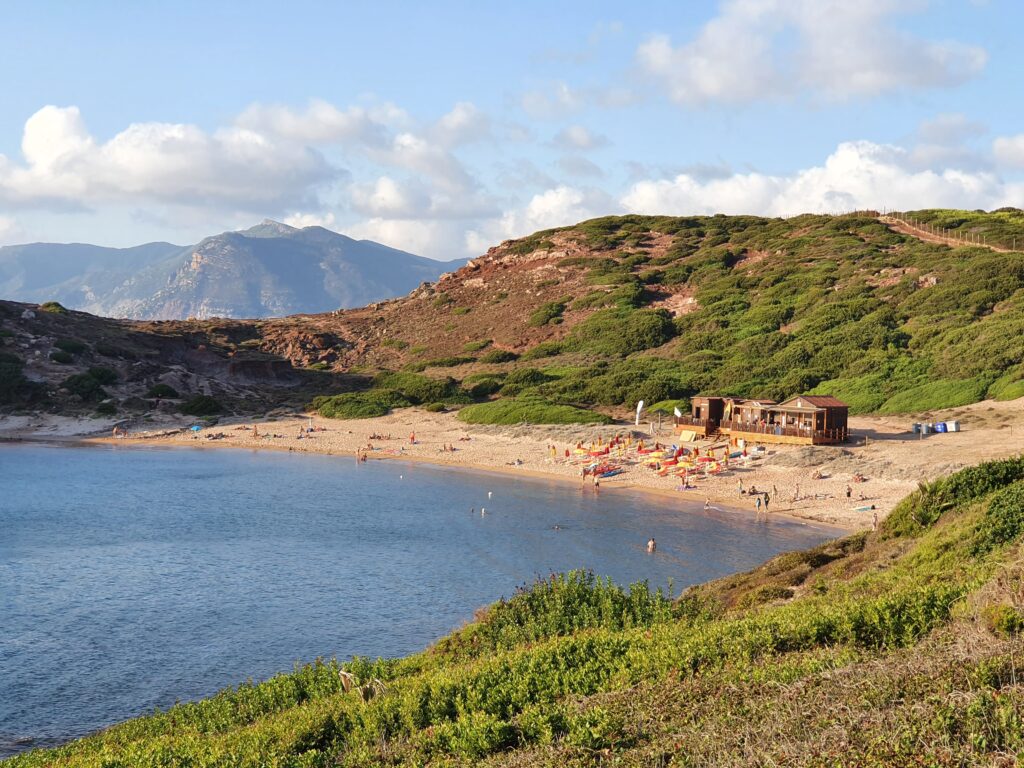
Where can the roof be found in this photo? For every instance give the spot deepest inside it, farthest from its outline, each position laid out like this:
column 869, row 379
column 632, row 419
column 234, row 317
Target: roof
column 757, row 403
column 811, row 402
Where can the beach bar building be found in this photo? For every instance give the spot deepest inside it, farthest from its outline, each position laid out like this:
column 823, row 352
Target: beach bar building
column 801, row 420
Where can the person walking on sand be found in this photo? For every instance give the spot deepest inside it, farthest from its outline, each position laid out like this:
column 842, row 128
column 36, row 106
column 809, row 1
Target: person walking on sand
column 739, row 486
column 412, row 438
column 652, row 545
column 849, row 491
column 874, row 521
column 767, row 498
column 757, row 503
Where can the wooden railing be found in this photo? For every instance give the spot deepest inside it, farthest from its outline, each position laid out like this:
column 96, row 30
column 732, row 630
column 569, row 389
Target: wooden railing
column 785, row 430
column 690, row 421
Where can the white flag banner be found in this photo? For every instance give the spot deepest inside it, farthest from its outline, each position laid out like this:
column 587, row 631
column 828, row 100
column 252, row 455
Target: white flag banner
column 639, row 407
column 677, row 412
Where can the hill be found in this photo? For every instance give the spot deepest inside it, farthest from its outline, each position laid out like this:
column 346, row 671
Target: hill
column 604, row 313
column 266, row 271
column 896, row 647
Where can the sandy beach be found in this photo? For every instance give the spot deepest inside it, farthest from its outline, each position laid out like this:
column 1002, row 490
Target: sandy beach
column 885, row 452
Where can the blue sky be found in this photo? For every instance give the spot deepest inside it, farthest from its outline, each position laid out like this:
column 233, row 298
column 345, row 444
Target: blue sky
column 444, row 128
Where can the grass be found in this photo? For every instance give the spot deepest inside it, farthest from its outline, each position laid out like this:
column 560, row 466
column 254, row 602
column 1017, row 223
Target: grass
column 890, row 648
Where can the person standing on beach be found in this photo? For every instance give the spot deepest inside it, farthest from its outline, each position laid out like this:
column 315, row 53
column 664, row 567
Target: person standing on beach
column 874, row 521
column 757, row 503
column 767, row 498
column 739, row 486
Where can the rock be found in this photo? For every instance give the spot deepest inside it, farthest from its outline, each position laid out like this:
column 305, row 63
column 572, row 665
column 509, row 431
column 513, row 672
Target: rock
column 28, row 314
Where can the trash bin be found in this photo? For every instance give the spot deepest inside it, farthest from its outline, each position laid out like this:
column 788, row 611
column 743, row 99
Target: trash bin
column 926, row 429
column 952, row 426
column 940, row 426
column 916, row 429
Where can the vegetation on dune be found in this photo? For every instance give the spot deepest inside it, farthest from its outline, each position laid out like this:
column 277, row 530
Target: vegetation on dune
column 528, row 409
column 1003, row 228
column 885, row 648
column 14, row 387
column 390, row 390
column 202, row 405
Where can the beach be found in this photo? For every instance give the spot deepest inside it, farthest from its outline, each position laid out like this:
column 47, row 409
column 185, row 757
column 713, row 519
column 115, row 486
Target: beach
column 891, row 459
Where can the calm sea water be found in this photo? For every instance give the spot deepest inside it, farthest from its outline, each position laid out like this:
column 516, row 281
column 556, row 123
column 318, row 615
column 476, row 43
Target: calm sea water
column 131, row 579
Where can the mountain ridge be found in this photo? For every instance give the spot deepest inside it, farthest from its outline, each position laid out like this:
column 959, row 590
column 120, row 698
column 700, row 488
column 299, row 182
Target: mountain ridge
column 263, row 271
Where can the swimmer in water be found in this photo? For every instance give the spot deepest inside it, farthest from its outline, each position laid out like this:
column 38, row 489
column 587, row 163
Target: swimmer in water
column 707, row 504
column 652, row 545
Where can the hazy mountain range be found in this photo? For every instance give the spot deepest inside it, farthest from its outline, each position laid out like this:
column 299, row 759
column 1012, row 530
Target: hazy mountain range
column 269, row 270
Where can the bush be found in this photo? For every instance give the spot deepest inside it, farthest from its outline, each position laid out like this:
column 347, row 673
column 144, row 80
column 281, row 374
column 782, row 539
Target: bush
column 499, row 356
column 419, row 389
column 109, row 350
column 476, row 346
column 71, row 346
column 434, row 407
column 620, row 332
column 161, row 391
column 103, row 375
column 85, row 386
column 446, row 362
column 64, row 358
column 530, row 410
column 54, row 307
column 548, row 313
column 544, row 349
column 13, row 384
column 1003, row 521
column 360, row 405
column 522, row 379
column 106, row 409
column 202, row 405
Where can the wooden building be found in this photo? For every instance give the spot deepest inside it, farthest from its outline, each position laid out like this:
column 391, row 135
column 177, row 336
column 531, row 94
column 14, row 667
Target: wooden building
column 801, row 420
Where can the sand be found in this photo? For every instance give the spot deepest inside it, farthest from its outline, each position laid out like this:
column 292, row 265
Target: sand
column 884, row 451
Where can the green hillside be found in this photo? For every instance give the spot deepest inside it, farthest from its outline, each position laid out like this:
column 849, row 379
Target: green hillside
column 663, row 308
column 891, row 648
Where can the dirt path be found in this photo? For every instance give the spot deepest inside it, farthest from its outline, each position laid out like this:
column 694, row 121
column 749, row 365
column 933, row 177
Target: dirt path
column 906, row 228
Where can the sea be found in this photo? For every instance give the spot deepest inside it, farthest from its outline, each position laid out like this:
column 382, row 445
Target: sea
column 133, row 578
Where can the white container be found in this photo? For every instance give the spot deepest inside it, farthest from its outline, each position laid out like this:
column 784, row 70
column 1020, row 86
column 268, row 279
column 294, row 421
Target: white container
column 952, row 426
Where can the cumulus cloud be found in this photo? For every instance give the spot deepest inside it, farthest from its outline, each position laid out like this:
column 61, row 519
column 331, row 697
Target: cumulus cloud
column 160, row 162
column 464, row 124
column 577, row 166
column 10, row 232
column 388, row 198
column 322, row 123
column 1009, row 150
column 301, row 220
column 857, row 175
column 767, row 49
column 436, row 239
column 576, row 137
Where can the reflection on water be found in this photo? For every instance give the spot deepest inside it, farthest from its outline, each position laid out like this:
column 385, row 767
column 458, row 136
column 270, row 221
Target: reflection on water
column 130, row 579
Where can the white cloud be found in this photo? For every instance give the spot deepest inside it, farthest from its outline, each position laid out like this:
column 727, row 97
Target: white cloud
column 857, row 175
column 387, row 198
column 322, row 123
column 755, row 50
column 159, row 162
column 1009, row 150
column 575, row 165
column 555, row 100
column 436, row 239
column 10, row 232
column 301, row 220
column 576, row 137
column 464, row 124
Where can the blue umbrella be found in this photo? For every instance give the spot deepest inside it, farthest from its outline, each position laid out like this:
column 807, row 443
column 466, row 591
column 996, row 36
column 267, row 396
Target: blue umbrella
column 196, row 428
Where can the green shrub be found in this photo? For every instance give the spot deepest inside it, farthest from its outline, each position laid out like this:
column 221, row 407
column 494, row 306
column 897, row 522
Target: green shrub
column 619, row 332
column 447, row 362
column 544, row 349
column 85, row 386
column 434, row 407
column 54, row 307
column 548, row 313
column 64, row 358
column 499, row 356
column 1003, row 521
column 523, row 379
column 1003, row 619
column 360, row 405
column 476, row 346
column 530, row 410
column 162, row 390
column 202, row 405
column 109, row 350
column 103, row 375
column 106, row 409
column 394, row 343
column 461, row 311
column 14, row 387
column 71, row 346
column 419, row 389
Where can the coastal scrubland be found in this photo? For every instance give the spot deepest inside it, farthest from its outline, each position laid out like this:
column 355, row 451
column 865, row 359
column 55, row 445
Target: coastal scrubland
column 892, row 647
column 599, row 315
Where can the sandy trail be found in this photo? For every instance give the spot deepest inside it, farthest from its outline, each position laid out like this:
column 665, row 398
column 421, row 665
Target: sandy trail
column 892, row 459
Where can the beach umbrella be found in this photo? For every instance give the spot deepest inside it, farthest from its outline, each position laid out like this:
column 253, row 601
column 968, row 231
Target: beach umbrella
column 196, row 428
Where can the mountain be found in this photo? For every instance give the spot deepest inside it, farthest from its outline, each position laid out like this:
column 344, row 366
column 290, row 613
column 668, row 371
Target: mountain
column 266, row 271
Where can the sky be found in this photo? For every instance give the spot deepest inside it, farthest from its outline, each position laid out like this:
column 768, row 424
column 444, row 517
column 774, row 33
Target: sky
column 444, row 128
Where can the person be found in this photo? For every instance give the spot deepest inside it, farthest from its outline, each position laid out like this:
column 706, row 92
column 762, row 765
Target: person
column 874, row 521
column 739, row 485
column 412, row 438
column 652, row 545
column 255, row 430
column 757, row 503
column 767, row 498
column 707, row 504
column 849, row 491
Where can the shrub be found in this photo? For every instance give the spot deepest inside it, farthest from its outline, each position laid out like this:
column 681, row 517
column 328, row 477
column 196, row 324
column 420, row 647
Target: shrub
column 54, row 307
column 434, row 407
column 71, row 346
column 1003, row 521
column 85, row 386
column 202, row 405
column 1003, row 619
column 447, row 362
column 64, row 358
column 620, row 332
column 395, row 343
column 548, row 313
column 109, row 350
column 360, row 405
column 499, row 356
column 530, row 410
column 522, row 379
column 476, row 346
column 544, row 349
column 106, row 409
column 161, row 391
column 461, row 311
column 319, row 365
column 419, row 389
column 13, row 384
column 103, row 375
